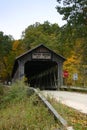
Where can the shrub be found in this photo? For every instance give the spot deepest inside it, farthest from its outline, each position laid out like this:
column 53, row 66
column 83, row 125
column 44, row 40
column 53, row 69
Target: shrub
column 24, row 112
column 15, row 93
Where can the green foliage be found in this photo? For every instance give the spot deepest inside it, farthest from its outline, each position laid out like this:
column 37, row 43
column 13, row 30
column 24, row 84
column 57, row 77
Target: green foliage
column 5, row 48
column 75, row 12
column 23, row 112
column 41, row 33
column 5, row 44
column 15, row 93
column 73, row 38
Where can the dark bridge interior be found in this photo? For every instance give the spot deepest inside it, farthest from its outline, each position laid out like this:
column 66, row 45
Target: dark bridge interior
column 41, row 73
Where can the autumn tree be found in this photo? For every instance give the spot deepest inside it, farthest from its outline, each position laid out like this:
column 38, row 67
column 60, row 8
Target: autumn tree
column 75, row 13
column 5, row 48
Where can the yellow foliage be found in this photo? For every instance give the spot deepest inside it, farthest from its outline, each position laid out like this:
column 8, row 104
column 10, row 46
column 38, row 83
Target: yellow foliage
column 15, row 45
column 18, row 48
column 71, row 65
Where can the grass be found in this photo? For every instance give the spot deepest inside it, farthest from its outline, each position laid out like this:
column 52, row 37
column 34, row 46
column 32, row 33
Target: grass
column 73, row 117
column 18, row 111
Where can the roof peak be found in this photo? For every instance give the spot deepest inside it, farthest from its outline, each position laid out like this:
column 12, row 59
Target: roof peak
column 37, row 48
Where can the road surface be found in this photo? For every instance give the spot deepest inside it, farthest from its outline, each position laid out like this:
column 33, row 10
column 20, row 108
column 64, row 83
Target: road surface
column 75, row 100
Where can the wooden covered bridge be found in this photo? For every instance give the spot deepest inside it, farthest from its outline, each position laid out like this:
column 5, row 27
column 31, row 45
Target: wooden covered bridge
column 41, row 66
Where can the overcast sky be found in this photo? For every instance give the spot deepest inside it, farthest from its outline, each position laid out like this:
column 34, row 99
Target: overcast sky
column 16, row 15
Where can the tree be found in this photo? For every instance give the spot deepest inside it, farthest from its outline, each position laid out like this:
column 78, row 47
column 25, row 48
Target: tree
column 74, row 34
column 5, row 48
column 5, row 44
column 75, row 13
column 41, row 33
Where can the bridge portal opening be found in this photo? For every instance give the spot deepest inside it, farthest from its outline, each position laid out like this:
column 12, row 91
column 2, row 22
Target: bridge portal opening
column 41, row 74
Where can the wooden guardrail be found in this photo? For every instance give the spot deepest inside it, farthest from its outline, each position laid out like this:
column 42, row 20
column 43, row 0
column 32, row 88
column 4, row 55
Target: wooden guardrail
column 51, row 108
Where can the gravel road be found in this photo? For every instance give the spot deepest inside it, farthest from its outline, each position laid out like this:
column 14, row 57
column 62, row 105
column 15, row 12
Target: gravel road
column 72, row 99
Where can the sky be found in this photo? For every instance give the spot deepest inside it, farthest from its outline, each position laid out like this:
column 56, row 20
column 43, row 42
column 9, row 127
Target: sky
column 17, row 15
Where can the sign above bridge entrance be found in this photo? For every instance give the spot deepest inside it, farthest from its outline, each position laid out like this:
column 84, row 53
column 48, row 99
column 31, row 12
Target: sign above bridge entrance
column 41, row 55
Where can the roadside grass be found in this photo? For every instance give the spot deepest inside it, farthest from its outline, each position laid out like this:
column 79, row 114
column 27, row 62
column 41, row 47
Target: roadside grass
column 18, row 111
column 73, row 117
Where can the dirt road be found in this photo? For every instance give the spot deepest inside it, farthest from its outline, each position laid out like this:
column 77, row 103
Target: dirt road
column 71, row 99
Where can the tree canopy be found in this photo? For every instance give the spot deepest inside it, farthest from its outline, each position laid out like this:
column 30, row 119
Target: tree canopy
column 37, row 33
column 69, row 40
column 5, row 48
column 75, row 13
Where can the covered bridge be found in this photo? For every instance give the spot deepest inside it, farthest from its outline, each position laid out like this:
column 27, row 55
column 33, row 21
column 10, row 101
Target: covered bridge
column 41, row 66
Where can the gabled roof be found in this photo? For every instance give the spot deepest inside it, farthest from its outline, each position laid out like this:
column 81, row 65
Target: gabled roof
column 41, row 45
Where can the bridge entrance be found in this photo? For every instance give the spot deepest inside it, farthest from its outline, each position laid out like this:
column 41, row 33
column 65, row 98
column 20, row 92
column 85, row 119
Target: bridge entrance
column 42, row 74
column 41, row 66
